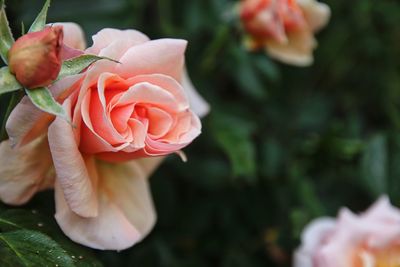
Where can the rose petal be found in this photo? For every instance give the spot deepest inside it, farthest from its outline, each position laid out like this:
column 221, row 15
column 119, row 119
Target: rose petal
column 160, row 122
column 163, row 56
column 149, row 94
column 297, row 51
column 317, row 14
column 186, row 128
column 312, row 237
column 24, row 171
column 73, row 35
column 26, row 122
column 75, row 173
column 166, row 83
column 107, row 36
column 126, row 212
column 23, row 123
column 197, row 104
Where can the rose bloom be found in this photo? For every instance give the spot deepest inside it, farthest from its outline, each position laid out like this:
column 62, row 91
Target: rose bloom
column 284, row 28
column 124, row 117
column 371, row 239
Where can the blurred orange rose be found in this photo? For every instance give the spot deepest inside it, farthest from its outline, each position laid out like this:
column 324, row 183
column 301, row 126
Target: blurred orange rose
column 284, row 28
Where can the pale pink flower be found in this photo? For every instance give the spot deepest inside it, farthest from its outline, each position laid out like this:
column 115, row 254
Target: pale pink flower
column 371, row 239
column 125, row 117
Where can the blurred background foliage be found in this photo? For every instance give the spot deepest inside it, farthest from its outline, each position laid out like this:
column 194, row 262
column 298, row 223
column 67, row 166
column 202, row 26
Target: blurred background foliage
column 281, row 146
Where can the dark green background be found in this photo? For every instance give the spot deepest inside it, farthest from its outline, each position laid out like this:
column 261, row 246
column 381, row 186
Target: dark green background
column 282, row 145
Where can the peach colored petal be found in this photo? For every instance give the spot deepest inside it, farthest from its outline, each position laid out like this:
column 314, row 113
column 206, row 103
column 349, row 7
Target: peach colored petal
column 102, row 124
column 186, row 128
column 117, row 48
column 22, row 120
column 99, row 133
column 91, row 142
column 126, row 212
column 297, row 51
column 197, row 104
column 138, row 130
column 74, row 170
column 27, row 122
column 166, row 83
column 120, row 116
column 317, row 14
column 145, row 93
column 163, row 56
column 91, row 81
column 195, row 129
column 107, row 36
column 74, row 36
column 24, row 171
column 160, row 122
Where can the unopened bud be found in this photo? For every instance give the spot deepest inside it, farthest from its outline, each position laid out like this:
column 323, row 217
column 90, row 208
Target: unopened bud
column 35, row 58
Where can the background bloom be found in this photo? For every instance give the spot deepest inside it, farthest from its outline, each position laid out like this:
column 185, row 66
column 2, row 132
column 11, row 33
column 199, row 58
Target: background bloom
column 284, row 28
column 369, row 239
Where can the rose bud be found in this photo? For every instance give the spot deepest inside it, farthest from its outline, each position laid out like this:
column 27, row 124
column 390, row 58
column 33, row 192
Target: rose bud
column 35, row 58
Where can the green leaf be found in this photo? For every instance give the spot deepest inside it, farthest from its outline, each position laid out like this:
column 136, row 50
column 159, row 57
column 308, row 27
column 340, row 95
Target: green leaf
column 76, row 65
column 234, row 136
column 6, row 37
column 40, row 20
column 42, row 98
column 18, row 219
column 8, row 82
column 245, row 74
column 374, row 165
column 30, row 248
column 272, row 157
column 267, row 67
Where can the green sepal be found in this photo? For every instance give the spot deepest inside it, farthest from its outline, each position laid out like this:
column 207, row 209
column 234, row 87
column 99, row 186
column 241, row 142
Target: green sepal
column 78, row 64
column 40, row 20
column 6, row 37
column 8, row 82
column 42, row 99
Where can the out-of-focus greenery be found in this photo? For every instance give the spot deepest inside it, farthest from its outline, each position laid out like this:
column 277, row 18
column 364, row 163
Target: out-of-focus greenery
column 282, row 144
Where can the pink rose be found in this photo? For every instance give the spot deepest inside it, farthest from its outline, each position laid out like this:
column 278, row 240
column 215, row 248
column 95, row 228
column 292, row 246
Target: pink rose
column 284, row 28
column 369, row 239
column 124, row 117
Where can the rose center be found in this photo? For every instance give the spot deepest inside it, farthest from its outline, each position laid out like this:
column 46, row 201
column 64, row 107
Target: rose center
column 386, row 257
